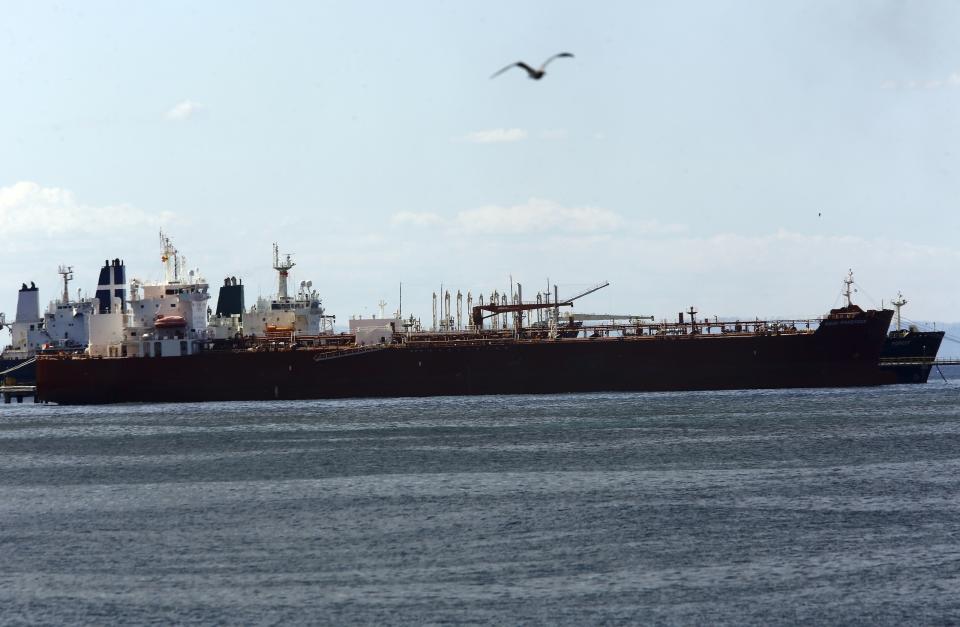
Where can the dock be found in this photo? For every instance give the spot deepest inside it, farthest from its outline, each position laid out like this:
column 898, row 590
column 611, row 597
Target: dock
column 19, row 392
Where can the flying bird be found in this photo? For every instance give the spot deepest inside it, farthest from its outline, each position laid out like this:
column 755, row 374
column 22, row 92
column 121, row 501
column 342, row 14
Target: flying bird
column 535, row 74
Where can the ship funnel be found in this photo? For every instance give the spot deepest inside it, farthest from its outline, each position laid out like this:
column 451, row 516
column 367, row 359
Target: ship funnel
column 28, row 303
column 230, row 299
column 112, row 284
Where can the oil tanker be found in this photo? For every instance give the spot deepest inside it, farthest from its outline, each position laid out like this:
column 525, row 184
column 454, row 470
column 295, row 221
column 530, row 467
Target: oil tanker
column 910, row 353
column 163, row 346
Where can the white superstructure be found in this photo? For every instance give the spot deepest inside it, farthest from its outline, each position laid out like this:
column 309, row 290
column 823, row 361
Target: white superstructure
column 171, row 317
column 27, row 334
column 379, row 330
column 168, row 318
column 302, row 314
column 66, row 324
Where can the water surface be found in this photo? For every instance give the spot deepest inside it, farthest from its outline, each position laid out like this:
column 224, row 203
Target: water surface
column 827, row 506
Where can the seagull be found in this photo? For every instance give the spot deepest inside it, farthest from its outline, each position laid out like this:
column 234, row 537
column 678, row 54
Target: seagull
column 532, row 73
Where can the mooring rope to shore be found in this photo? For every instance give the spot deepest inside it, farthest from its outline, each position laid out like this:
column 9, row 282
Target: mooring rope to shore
column 18, row 366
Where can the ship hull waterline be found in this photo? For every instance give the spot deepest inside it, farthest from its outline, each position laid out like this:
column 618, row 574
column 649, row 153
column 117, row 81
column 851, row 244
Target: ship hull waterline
column 841, row 353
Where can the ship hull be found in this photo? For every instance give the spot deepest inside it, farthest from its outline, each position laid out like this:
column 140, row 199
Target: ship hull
column 840, row 353
column 916, row 351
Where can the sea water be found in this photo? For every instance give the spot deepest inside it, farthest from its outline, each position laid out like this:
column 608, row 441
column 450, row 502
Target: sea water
column 752, row 507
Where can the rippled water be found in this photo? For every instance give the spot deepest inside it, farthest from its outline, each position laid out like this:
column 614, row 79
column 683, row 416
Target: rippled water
column 826, row 506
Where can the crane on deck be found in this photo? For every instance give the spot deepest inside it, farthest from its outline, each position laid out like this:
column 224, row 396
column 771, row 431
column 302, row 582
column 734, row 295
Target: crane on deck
column 482, row 312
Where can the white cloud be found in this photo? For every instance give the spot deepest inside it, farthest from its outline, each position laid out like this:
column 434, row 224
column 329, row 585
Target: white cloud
column 951, row 81
column 534, row 216
column 27, row 209
column 184, row 110
column 417, row 218
column 496, row 135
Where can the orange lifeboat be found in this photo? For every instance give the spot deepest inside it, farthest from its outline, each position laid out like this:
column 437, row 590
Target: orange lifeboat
column 170, row 322
column 273, row 328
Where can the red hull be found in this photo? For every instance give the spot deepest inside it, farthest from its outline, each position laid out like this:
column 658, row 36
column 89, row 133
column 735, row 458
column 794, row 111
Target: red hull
column 840, row 353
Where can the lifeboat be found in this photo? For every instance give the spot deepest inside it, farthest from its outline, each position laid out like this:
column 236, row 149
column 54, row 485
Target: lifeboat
column 273, row 328
column 170, row 322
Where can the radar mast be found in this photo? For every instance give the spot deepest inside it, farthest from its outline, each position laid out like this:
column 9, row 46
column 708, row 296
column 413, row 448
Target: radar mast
column 848, row 290
column 67, row 273
column 171, row 260
column 898, row 303
column 283, row 271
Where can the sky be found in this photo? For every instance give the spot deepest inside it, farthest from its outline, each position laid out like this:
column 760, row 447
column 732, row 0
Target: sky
column 739, row 157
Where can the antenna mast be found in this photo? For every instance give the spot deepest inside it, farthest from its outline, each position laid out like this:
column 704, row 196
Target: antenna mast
column 170, row 259
column 67, row 273
column 283, row 270
column 847, row 290
column 900, row 302
column 693, row 319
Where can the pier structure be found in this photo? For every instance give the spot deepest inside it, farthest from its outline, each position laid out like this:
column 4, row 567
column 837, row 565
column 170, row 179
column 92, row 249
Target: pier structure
column 19, row 392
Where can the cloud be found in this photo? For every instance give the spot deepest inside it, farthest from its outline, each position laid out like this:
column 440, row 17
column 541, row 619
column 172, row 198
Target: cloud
column 414, row 218
column 537, row 215
column 952, row 81
column 496, row 135
column 27, row 209
column 534, row 216
column 184, row 111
